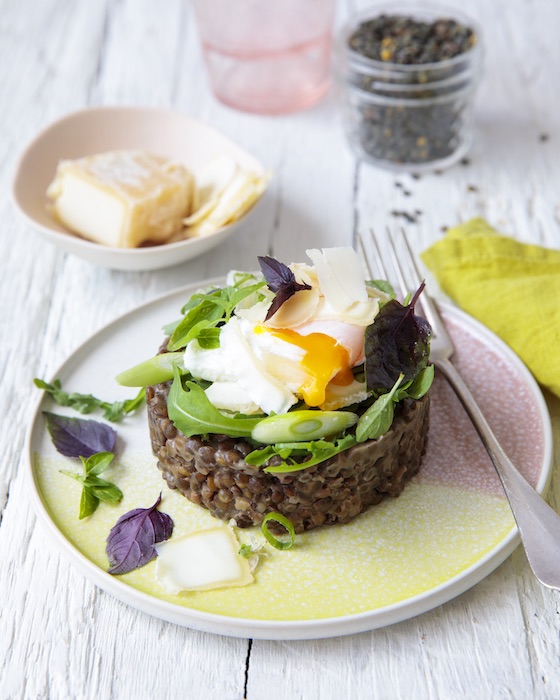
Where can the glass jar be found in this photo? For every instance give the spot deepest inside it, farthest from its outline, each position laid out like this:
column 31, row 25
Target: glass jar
column 408, row 116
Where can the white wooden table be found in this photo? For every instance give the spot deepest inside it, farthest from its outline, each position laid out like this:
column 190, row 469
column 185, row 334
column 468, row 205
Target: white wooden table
column 60, row 637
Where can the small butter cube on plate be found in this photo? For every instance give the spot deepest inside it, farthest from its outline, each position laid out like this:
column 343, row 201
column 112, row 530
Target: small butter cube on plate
column 202, row 561
column 122, row 198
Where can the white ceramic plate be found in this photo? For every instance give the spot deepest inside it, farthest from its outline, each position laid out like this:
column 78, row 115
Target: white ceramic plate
column 91, row 131
column 449, row 528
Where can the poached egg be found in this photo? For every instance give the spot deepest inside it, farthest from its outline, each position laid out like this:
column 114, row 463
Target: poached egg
column 265, row 367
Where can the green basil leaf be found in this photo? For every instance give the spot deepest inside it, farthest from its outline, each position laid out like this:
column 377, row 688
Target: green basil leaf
column 201, row 316
column 97, row 463
column 200, row 328
column 421, row 384
column 192, row 413
column 238, row 294
column 103, row 490
column 207, row 310
column 95, row 489
column 209, row 338
column 88, row 503
column 378, row 418
column 194, row 300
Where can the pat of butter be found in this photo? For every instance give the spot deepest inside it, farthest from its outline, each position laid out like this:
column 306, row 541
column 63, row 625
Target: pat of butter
column 122, row 198
column 202, row 561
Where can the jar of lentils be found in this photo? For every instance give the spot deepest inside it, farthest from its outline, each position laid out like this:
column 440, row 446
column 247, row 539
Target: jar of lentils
column 408, row 78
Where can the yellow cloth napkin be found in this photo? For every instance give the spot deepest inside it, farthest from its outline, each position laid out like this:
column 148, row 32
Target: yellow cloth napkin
column 513, row 288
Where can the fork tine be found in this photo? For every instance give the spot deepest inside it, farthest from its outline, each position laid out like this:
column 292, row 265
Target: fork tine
column 378, row 257
column 432, row 314
column 396, row 265
column 365, row 256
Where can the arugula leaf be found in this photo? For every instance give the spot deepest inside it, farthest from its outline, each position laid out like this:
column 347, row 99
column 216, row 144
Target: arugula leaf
column 397, row 342
column 117, row 410
column 236, row 294
column 86, row 403
column 317, row 451
column 95, row 489
column 281, row 280
column 205, row 311
column 378, row 418
column 257, row 458
column 192, row 413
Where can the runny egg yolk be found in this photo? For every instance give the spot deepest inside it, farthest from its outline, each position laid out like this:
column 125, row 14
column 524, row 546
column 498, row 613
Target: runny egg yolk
column 325, row 360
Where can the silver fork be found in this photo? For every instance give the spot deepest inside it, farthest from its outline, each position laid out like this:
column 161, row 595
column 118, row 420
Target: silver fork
column 537, row 522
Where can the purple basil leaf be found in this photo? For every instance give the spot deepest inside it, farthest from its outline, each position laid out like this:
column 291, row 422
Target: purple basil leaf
column 77, row 437
column 275, row 272
column 281, row 280
column 397, row 342
column 131, row 541
column 279, row 299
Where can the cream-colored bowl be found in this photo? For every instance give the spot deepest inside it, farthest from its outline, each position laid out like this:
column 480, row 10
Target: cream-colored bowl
column 97, row 130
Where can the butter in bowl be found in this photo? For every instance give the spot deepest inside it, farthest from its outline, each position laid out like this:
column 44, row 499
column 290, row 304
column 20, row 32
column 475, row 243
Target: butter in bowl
column 136, row 189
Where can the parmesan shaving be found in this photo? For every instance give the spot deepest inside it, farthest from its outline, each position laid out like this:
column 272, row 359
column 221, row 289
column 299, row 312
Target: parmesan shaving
column 224, row 193
column 341, row 276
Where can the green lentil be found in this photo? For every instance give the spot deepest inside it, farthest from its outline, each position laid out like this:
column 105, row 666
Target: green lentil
column 421, row 130
column 406, row 41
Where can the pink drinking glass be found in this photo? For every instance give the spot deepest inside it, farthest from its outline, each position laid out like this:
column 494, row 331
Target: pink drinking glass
column 267, row 56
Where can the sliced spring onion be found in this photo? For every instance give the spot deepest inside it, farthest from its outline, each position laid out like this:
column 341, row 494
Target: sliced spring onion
column 302, row 426
column 281, row 520
column 156, row 370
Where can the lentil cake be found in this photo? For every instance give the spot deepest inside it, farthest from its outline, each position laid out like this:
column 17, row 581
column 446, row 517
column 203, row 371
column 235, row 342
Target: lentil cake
column 300, row 391
column 211, row 470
